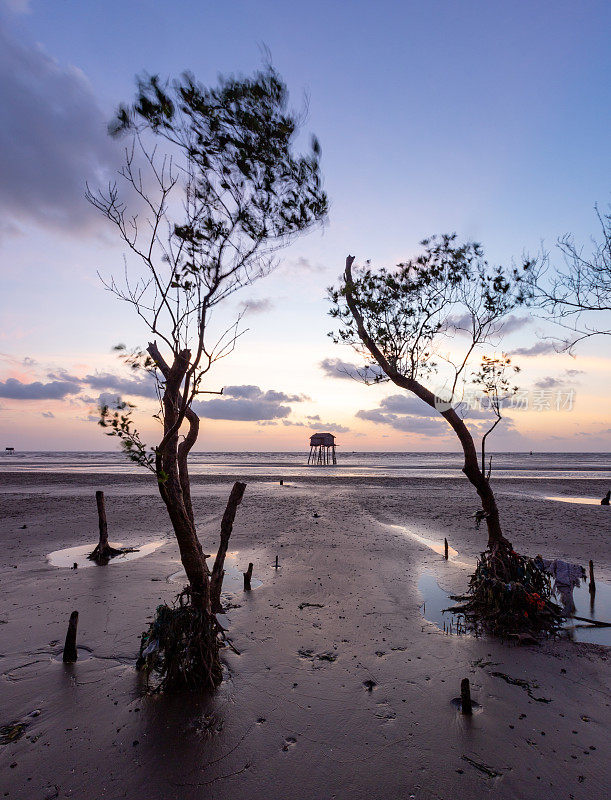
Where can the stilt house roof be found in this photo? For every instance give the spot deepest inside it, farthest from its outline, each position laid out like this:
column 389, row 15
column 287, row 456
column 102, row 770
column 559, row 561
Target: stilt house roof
column 324, row 439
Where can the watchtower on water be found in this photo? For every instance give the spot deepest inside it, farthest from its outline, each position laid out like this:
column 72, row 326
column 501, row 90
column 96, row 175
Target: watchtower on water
column 322, row 449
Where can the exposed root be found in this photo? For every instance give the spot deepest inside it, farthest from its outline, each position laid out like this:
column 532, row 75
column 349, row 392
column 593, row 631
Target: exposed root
column 180, row 649
column 510, row 594
column 103, row 553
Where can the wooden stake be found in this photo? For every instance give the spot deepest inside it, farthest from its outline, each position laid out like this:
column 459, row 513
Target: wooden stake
column 70, row 652
column 592, row 587
column 445, row 549
column 465, row 697
column 99, row 499
column 281, row 482
column 247, row 577
column 276, row 564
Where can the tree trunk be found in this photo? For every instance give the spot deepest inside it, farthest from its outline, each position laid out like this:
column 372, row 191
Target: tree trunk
column 174, row 487
column 471, row 466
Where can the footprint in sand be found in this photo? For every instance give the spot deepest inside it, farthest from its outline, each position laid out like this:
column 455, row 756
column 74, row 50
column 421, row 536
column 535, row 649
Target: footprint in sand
column 289, row 742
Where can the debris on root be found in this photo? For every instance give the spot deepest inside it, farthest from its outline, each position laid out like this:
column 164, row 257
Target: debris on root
column 180, row 649
column 510, row 595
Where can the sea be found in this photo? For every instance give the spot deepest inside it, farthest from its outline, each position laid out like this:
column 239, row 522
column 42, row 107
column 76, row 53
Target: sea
column 569, row 466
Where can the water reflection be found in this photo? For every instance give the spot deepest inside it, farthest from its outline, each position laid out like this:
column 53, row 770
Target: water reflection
column 79, row 555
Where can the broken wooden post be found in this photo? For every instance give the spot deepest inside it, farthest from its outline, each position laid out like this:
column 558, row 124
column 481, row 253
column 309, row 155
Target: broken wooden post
column 445, row 549
column 103, row 551
column 216, row 577
column 70, row 652
column 99, row 499
column 281, row 482
column 247, row 577
column 465, row 697
column 276, row 564
column 592, row 587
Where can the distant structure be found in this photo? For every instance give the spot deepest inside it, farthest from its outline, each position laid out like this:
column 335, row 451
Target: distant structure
column 322, row 449
column 9, row 450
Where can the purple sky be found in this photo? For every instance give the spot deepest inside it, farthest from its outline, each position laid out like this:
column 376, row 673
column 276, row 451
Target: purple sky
column 490, row 119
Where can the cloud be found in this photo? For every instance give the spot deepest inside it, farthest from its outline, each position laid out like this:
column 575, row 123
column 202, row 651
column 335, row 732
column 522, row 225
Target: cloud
column 142, row 387
column 404, row 404
column 52, row 140
column 332, row 427
column 514, row 323
column 404, row 423
column 539, row 349
column 413, row 406
column 548, row 383
column 344, row 370
column 257, row 306
column 411, row 415
column 63, row 375
column 462, row 324
column 243, row 410
column 254, row 392
column 55, row 390
column 48, row 414
column 572, row 373
column 247, row 403
column 302, row 264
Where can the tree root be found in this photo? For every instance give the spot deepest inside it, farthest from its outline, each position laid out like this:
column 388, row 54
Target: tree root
column 180, row 649
column 103, row 553
column 510, row 594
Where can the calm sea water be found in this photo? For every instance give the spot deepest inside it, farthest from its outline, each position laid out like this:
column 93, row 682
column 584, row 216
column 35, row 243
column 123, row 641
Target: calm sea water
column 295, row 464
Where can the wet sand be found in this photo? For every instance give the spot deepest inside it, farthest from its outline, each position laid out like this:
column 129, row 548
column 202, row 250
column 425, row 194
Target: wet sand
column 341, row 688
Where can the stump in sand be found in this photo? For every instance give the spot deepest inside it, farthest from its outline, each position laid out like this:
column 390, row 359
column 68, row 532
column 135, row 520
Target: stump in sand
column 247, row 577
column 103, row 551
column 465, row 697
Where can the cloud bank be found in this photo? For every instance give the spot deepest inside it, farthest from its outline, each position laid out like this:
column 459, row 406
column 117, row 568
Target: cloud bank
column 247, row 403
column 53, row 139
column 14, row 389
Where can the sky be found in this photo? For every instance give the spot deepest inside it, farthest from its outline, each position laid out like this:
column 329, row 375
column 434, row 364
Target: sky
column 485, row 118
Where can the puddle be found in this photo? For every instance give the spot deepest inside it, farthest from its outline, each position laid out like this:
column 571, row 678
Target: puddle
column 436, row 599
column 456, row 702
column 78, row 555
column 233, row 580
column 585, row 501
column 599, row 610
column 432, row 544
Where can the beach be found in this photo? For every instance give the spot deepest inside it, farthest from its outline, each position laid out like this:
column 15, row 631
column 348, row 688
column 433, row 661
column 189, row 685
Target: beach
column 336, row 684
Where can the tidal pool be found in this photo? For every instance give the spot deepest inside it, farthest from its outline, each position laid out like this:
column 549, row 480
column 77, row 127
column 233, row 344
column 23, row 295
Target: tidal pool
column 78, row 555
column 233, row 580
